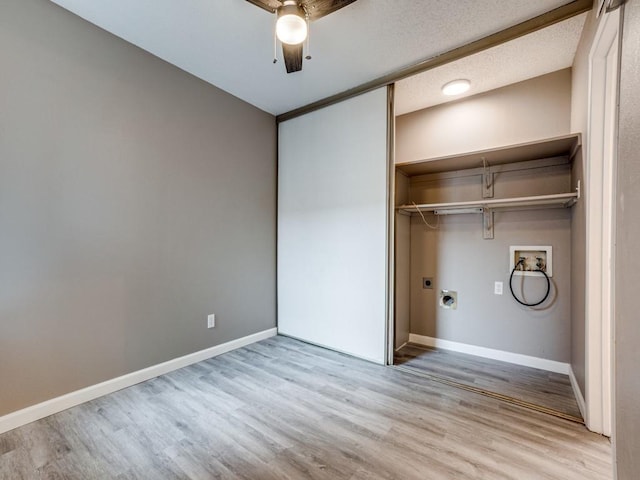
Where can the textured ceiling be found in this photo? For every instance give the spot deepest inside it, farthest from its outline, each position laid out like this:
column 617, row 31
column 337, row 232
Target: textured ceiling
column 544, row 51
column 229, row 43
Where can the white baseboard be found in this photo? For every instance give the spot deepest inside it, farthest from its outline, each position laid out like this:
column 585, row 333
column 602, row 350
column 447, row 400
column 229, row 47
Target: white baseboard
column 36, row 412
column 510, row 357
column 577, row 393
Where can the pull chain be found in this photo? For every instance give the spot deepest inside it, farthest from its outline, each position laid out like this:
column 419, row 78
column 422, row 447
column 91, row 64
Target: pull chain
column 275, row 42
column 308, row 57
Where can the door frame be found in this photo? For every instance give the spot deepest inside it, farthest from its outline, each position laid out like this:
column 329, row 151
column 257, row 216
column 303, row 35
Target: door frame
column 600, row 221
column 391, row 247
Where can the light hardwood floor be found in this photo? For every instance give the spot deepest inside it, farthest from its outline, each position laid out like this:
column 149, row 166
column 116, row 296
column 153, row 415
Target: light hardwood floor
column 546, row 389
column 282, row 409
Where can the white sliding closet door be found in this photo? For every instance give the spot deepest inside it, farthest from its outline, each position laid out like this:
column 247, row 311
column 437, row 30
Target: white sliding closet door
column 332, row 226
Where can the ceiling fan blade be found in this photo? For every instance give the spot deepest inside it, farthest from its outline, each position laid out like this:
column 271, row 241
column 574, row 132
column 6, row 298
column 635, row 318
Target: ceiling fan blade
column 270, row 6
column 292, row 57
column 319, row 8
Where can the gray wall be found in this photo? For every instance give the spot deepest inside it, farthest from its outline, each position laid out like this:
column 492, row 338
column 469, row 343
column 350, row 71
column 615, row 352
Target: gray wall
column 522, row 112
column 402, row 264
column 578, row 277
column 627, row 263
column 458, row 258
column 579, row 120
column 134, row 200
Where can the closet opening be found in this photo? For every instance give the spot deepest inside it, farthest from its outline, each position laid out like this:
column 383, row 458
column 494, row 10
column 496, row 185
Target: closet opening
column 486, row 188
column 489, row 278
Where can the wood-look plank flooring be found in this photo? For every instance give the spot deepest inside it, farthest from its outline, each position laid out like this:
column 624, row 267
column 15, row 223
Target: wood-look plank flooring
column 283, row 409
column 538, row 387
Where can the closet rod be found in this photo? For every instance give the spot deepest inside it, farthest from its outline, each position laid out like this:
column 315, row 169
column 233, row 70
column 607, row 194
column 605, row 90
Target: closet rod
column 566, row 199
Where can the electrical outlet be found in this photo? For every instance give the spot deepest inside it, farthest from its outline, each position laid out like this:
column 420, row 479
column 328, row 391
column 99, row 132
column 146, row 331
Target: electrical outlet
column 497, row 288
column 211, row 320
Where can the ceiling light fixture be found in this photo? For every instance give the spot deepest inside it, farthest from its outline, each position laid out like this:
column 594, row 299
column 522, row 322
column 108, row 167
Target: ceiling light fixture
column 291, row 26
column 456, row 87
column 293, row 18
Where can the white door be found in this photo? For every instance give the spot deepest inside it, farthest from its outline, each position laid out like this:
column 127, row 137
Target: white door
column 333, row 226
column 600, row 172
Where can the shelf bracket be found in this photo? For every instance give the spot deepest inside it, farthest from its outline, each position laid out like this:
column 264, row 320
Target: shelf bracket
column 487, row 224
column 487, row 180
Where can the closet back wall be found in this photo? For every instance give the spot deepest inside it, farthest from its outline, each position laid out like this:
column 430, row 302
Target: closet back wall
column 456, row 255
column 523, row 112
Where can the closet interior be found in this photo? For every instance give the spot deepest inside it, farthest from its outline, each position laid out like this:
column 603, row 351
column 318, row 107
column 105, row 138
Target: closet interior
column 485, row 192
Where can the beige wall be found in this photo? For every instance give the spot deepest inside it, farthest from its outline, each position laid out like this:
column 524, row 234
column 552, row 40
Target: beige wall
column 134, row 200
column 627, row 263
column 523, row 112
column 580, row 76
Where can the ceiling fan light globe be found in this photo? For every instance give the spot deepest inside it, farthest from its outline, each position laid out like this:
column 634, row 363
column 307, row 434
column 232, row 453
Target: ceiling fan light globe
column 291, row 29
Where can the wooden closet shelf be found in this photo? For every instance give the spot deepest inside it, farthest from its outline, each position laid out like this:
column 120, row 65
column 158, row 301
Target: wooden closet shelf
column 546, row 148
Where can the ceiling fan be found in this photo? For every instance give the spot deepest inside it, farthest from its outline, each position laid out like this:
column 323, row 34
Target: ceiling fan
column 293, row 23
